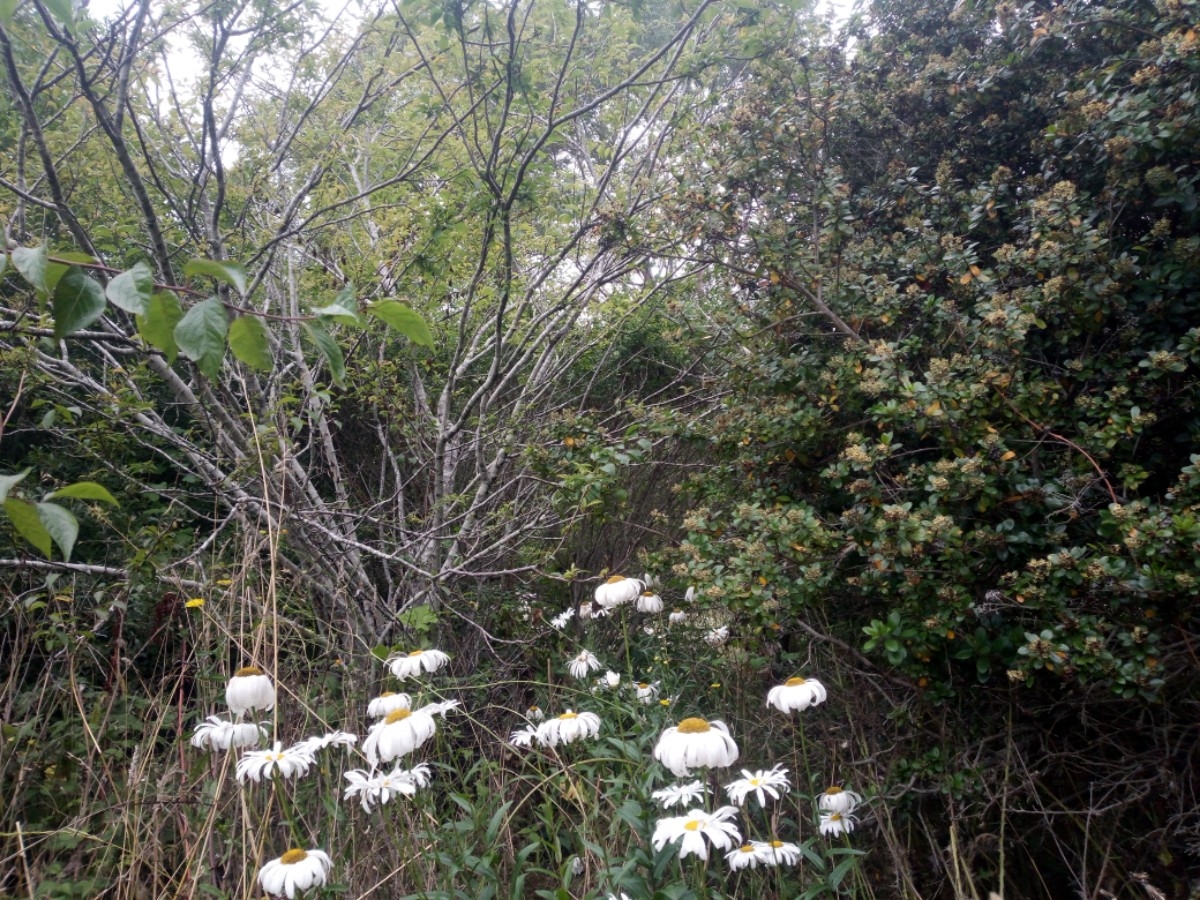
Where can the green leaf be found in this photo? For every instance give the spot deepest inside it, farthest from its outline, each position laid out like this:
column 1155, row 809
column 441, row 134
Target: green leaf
column 200, row 334
column 343, row 309
column 7, row 8
column 31, row 263
column 157, row 324
column 404, row 320
column 248, row 341
column 61, row 525
column 25, row 519
column 85, row 490
column 131, row 290
column 8, row 482
column 78, row 302
column 227, row 273
column 64, row 11
column 329, row 349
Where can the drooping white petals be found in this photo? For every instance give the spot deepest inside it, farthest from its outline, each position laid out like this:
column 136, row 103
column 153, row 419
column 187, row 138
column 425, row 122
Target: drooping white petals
column 680, row 794
column 836, row 799
column 258, row 765
column 297, row 870
column 388, row 702
column 570, row 726
column 796, row 694
column 215, row 733
column 695, row 743
column 416, row 662
column 581, row 665
column 402, row 732
column 249, row 689
column 692, row 830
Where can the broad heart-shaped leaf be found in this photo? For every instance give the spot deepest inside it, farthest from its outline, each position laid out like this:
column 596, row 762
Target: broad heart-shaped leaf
column 64, row 11
column 200, row 334
column 8, row 482
column 78, row 302
column 131, row 289
column 248, row 341
column 343, row 309
column 24, row 517
column 329, row 349
column 31, row 263
column 228, row 273
column 85, row 490
column 61, row 525
column 157, row 324
column 405, row 320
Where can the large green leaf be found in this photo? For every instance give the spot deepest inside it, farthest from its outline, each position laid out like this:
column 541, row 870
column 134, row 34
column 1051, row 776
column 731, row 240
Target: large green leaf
column 60, row 523
column 8, row 482
column 405, row 320
column 343, row 309
column 200, row 334
column 227, row 273
column 329, row 349
column 31, row 263
column 24, row 517
column 64, row 11
column 131, row 290
column 157, row 324
column 78, row 302
column 85, row 490
column 248, row 341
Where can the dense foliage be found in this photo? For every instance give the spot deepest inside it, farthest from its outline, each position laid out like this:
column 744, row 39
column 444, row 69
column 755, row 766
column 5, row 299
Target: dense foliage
column 413, row 327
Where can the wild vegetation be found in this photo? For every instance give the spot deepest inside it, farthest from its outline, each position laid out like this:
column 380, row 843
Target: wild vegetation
column 565, row 409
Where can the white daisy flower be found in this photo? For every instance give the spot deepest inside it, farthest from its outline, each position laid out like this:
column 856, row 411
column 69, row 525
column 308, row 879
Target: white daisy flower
column 612, row 679
column 440, row 708
column 250, row 688
column 560, row 621
column 296, row 870
column 649, row 602
column 835, row 823
column 523, row 738
column 618, row 590
column 570, row 726
column 744, row 857
column 680, row 794
column 694, row 827
column 777, row 853
column 214, row 733
column 331, row 739
column 677, row 616
column 257, row 765
column 581, row 665
column 717, row 636
column 647, row 691
column 796, row 694
column 535, row 714
column 690, row 596
column 760, row 783
column 377, row 789
column 695, row 743
column 408, row 665
column 388, row 702
column 402, row 732
column 649, row 582
column 835, row 799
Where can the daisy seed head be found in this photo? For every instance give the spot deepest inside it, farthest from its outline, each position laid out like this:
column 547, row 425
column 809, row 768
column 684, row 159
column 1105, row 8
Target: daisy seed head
column 294, row 855
column 794, row 682
column 397, row 715
column 247, row 671
column 694, row 725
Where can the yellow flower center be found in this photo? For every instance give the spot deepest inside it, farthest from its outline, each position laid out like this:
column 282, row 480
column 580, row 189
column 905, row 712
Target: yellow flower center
column 755, row 782
column 693, row 726
column 692, row 825
column 535, row 709
column 746, row 848
column 415, row 652
column 276, row 757
column 647, row 593
column 794, row 682
column 776, row 844
column 293, row 856
column 615, row 579
column 665, row 701
column 836, row 817
column 398, row 716
column 569, row 715
column 247, row 672
column 833, row 790
column 642, row 685
column 388, row 694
